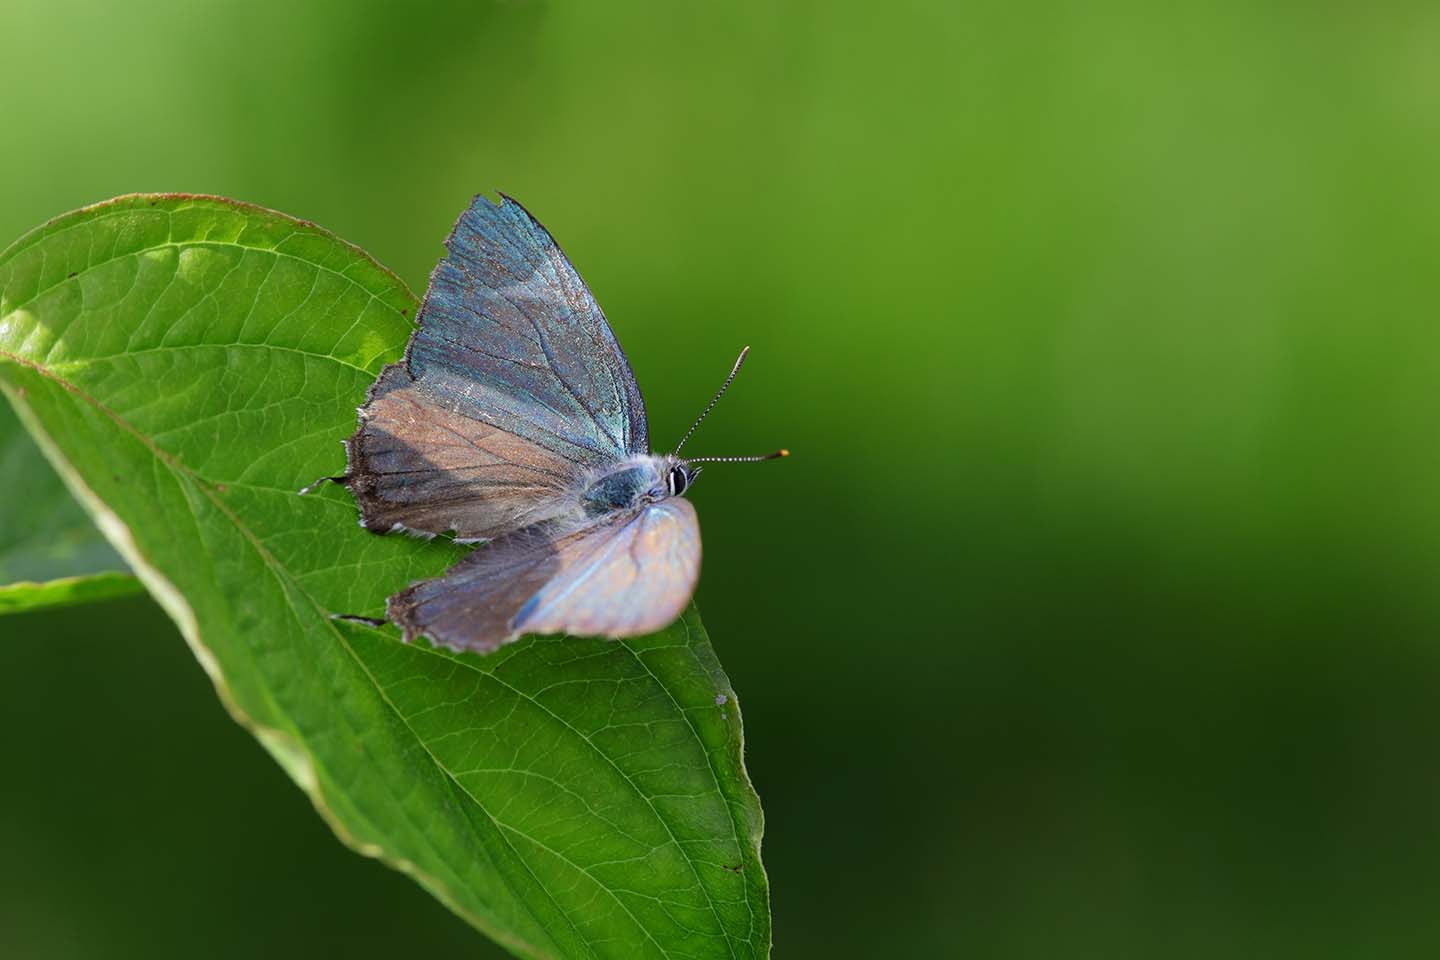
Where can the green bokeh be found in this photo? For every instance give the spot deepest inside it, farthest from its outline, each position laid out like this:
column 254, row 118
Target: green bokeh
column 1093, row 615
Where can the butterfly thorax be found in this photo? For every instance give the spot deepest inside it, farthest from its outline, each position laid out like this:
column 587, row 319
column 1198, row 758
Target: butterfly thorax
column 643, row 478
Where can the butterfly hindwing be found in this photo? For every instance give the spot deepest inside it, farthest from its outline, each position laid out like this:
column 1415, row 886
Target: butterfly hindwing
column 631, row 578
column 470, row 607
column 620, row 575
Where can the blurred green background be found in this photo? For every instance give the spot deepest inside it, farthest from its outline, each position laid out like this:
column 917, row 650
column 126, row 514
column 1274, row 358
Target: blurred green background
column 1095, row 614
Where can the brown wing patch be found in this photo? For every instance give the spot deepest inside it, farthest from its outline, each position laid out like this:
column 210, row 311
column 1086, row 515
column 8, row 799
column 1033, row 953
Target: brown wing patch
column 420, row 464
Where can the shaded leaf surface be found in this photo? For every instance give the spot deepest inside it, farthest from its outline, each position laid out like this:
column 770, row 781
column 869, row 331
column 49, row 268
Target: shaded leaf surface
column 51, row 554
column 191, row 363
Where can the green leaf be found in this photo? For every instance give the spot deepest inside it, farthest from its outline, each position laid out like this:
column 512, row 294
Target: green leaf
column 50, row 552
column 23, row 596
column 192, row 363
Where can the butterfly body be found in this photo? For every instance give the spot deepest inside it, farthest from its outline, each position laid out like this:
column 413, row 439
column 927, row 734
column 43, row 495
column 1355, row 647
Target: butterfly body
column 515, row 420
column 631, row 482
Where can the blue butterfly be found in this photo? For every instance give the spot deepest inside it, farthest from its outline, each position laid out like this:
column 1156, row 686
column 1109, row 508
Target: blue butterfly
column 514, row 418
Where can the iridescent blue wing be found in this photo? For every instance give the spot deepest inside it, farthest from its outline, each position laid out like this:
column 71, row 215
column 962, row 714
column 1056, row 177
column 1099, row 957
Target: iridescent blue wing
column 510, row 335
column 512, row 387
column 619, row 576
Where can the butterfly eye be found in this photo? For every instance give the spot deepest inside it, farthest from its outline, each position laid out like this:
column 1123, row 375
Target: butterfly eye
column 677, row 481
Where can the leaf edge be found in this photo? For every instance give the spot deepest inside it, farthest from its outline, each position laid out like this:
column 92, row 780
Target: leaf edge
column 289, row 753
column 60, row 592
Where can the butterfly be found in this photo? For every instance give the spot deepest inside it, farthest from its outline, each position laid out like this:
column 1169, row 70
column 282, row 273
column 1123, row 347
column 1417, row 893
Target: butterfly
column 515, row 419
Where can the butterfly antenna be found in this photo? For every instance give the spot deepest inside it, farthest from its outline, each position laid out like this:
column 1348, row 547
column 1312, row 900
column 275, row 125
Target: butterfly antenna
column 739, row 361
column 769, row 456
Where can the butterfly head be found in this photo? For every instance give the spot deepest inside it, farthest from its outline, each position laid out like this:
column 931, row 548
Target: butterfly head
column 679, row 477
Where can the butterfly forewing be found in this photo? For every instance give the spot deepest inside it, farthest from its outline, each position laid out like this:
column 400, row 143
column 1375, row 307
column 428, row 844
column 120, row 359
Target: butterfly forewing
column 512, row 387
column 418, row 464
column 510, row 334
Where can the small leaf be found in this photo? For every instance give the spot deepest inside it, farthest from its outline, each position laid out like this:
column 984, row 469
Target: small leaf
column 50, row 552
column 193, row 363
column 24, row 596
